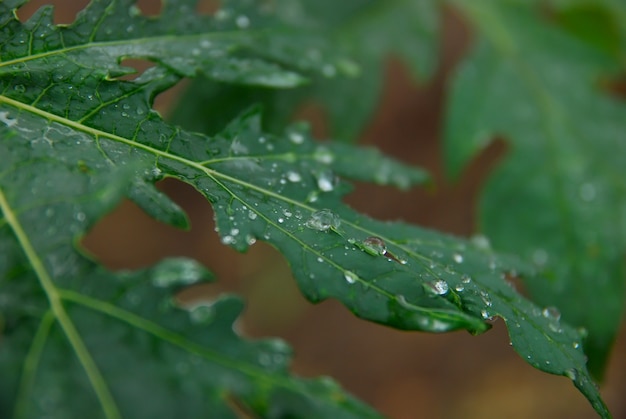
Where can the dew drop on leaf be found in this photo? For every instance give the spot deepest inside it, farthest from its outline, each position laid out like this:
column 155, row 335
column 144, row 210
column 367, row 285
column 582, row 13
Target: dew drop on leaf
column 481, row 242
column 437, row 287
column 540, row 257
column 326, row 180
column 375, row 245
column 551, row 313
column 329, row 70
column 202, row 313
column 293, row 176
column 242, row 21
column 323, row 220
column 571, row 374
column 323, row 155
column 228, row 240
column 458, row 258
column 587, row 192
column 296, row 137
column 350, row 277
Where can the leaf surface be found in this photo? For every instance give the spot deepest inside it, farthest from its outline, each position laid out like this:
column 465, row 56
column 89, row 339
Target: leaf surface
column 74, row 142
column 369, row 31
column 559, row 198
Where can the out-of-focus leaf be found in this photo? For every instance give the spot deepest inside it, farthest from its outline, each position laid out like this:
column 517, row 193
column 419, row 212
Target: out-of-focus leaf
column 559, row 197
column 368, row 31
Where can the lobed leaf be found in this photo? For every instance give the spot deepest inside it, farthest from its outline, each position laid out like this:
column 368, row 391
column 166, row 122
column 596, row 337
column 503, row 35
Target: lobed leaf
column 369, row 31
column 75, row 141
column 562, row 183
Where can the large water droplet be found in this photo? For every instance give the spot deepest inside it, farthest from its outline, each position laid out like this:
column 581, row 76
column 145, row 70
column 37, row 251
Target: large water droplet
column 350, row 277
column 296, row 137
column 587, row 192
column 242, row 21
column 177, row 271
column 458, row 258
column 571, row 374
column 481, row 242
column 540, row 257
column 375, row 246
column 323, row 155
column 326, row 180
column 202, row 313
column 437, row 287
column 323, row 220
column 329, row 70
column 293, row 176
column 551, row 313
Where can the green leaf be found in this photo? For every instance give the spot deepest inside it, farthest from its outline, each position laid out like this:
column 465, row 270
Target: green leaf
column 75, row 141
column 368, row 31
column 559, row 197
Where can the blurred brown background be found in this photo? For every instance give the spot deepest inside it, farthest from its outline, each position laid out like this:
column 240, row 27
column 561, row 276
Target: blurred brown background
column 404, row 375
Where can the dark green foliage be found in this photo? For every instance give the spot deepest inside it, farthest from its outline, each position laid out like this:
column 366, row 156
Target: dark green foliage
column 75, row 140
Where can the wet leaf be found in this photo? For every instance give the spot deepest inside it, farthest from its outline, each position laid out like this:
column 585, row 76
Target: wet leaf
column 368, row 31
column 558, row 198
column 75, row 141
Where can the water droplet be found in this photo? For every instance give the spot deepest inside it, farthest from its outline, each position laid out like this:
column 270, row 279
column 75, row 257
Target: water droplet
column 350, row 277
column 552, row 313
column 296, row 137
column 323, row 220
column 540, row 257
column 20, row 88
column 375, row 246
column 177, row 271
column 281, row 220
column 437, row 287
column 587, row 192
column 329, row 70
column 481, row 242
column 575, row 345
column 202, row 313
column 458, row 258
column 326, row 180
column 80, row 216
column 228, row 240
column 323, row 155
column 294, row 176
column 242, row 21
column 156, row 173
column 571, row 374
column 195, row 51
column 252, row 215
column 250, row 239
column 234, row 231
column 205, row 43
column 459, row 287
column 222, row 14
column 466, row 279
